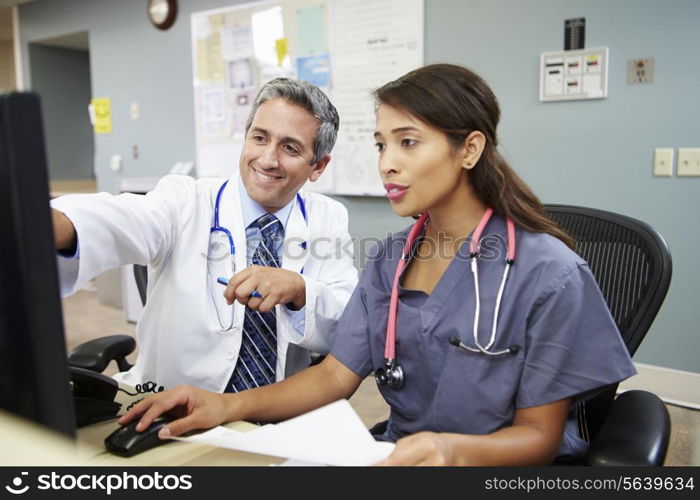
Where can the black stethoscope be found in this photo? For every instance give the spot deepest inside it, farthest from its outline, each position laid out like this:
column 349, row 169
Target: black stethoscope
column 391, row 374
column 217, row 228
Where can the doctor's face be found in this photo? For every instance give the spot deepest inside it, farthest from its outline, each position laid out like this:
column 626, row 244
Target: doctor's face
column 276, row 158
column 418, row 166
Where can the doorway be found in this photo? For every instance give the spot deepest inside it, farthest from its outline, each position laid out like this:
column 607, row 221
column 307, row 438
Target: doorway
column 60, row 74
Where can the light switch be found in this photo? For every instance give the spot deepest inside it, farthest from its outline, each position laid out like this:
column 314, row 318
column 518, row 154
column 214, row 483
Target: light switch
column 115, row 163
column 689, row 162
column 663, row 162
column 135, row 110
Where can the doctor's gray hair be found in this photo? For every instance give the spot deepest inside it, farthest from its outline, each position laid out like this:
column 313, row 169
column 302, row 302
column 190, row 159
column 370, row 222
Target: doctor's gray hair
column 309, row 97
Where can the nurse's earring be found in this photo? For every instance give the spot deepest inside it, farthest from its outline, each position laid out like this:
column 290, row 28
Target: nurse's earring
column 468, row 165
column 468, row 162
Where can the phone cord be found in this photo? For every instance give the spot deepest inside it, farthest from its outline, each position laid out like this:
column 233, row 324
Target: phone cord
column 144, row 388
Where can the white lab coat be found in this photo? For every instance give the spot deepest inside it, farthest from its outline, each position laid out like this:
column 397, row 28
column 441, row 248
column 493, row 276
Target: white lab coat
column 179, row 336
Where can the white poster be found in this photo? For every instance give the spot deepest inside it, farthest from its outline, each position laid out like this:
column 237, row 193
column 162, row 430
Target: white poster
column 373, row 42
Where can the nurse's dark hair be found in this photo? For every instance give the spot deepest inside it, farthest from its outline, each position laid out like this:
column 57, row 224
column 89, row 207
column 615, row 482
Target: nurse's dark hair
column 457, row 101
column 309, row 97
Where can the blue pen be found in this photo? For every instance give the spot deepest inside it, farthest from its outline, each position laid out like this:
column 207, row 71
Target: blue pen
column 224, row 281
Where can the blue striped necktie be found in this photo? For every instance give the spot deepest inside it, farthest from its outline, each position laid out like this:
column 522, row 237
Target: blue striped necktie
column 258, row 355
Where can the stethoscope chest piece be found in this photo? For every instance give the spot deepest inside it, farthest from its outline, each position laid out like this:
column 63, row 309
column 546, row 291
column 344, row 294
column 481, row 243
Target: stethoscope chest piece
column 391, row 375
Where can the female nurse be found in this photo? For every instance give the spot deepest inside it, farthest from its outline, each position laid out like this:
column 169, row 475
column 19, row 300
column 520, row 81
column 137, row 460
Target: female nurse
column 496, row 328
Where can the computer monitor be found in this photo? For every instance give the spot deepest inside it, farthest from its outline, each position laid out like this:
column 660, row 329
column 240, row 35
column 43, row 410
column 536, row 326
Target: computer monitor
column 33, row 370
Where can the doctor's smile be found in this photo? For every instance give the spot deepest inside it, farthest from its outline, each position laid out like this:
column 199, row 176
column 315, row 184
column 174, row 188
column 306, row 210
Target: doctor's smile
column 266, row 177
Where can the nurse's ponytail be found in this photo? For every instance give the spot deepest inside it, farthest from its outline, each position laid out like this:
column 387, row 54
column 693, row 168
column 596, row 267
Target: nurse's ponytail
column 457, row 101
column 499, row 187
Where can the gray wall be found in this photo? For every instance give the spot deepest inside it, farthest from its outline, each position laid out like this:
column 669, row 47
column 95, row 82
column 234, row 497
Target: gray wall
column 596, row 153
column 62, row 79
column 130, row 61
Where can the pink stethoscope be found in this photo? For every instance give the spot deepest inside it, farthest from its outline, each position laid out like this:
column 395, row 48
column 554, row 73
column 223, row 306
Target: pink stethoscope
column 391, row 374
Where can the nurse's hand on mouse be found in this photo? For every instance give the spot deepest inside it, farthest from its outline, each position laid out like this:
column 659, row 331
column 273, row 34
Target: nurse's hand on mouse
column 275, row 285
column 194, row 408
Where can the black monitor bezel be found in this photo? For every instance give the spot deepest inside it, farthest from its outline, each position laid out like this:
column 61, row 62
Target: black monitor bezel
column 34, row 380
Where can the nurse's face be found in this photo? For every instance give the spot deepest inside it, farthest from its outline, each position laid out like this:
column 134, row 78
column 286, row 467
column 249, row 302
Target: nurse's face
column 276, row 158
column 419, row 168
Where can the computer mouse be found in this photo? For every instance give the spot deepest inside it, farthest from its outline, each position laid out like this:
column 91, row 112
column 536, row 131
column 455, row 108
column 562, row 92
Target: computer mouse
column 127, row 442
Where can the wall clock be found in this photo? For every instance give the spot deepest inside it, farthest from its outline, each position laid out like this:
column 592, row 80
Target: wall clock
column 162, row 13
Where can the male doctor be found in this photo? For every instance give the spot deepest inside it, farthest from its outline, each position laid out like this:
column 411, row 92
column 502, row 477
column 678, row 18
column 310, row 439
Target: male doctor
column 245, row 275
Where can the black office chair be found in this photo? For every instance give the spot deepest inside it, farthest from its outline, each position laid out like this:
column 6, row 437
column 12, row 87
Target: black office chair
column 632, row 264
column 96, row 354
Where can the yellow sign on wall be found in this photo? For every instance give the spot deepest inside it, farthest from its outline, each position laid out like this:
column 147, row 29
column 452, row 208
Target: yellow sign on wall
column 281, row 49
column 101, row 115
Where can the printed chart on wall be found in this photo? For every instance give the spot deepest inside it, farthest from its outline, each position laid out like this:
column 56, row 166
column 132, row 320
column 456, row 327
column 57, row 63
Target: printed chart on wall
column 346, row 47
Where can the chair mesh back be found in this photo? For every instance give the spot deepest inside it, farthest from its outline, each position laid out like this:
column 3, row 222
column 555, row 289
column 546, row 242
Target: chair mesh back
column 632, row 265
column 619, row 259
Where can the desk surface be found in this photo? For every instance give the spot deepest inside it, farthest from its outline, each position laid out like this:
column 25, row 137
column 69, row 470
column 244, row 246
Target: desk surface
column 25, row 443
column 176, row 453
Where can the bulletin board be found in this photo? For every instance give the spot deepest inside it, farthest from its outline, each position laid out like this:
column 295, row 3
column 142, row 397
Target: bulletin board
column 346, row 47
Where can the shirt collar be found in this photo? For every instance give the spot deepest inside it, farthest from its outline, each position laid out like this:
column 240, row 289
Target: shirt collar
column 252, row 211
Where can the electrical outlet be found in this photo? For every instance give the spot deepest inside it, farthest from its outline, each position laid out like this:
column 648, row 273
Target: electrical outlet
column 640, row 71
column 689, row 162
column 663, row 162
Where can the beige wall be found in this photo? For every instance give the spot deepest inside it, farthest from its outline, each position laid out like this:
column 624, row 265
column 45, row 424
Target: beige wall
column 7, row 67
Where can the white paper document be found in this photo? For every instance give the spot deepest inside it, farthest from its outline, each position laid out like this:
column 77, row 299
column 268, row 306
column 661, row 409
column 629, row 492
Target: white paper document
column 330, row 435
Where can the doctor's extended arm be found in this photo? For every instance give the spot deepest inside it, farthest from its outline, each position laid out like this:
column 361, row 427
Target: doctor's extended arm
column 199, row 409
column 111, row 231
column 533, row 439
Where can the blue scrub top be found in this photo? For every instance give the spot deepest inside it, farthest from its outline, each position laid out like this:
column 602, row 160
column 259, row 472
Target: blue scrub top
column 551, row 307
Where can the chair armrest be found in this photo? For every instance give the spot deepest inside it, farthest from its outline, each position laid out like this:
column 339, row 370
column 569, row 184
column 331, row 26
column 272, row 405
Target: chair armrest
column 635, row 432
column 96, row 354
